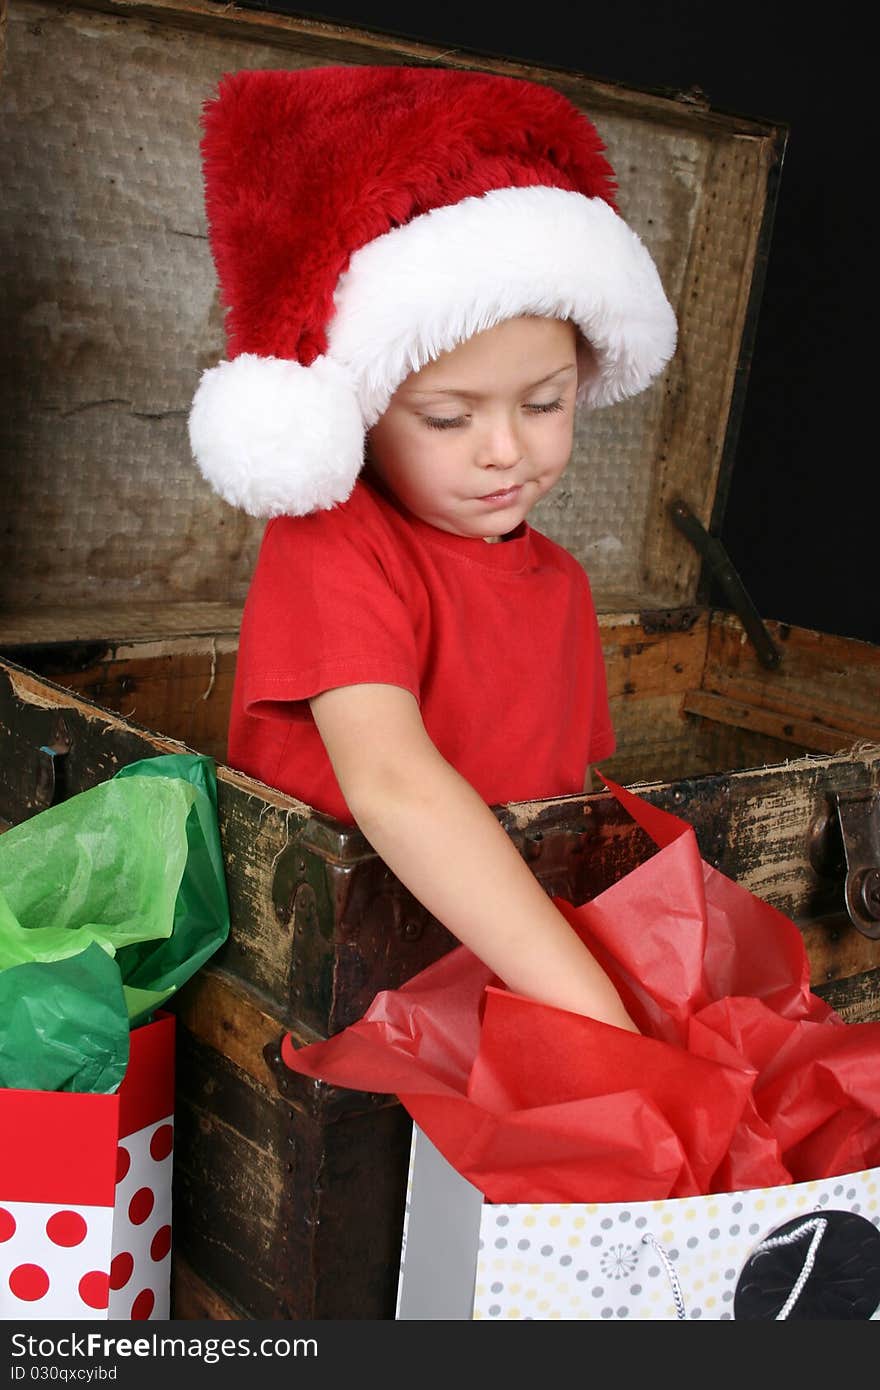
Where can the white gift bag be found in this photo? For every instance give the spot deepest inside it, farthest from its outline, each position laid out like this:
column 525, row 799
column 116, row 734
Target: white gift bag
column 806, row 1250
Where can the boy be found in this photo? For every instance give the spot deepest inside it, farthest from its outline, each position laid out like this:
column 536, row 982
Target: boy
column 428, row 262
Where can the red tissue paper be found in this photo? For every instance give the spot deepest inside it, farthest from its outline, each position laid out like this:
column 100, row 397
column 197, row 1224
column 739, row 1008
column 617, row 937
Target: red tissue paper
column 740, row 1077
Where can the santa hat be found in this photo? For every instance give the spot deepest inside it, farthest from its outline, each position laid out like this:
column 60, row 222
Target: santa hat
column 365, row 220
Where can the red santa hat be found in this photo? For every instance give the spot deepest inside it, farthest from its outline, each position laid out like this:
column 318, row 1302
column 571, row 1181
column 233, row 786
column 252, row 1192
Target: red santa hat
column 365, row 220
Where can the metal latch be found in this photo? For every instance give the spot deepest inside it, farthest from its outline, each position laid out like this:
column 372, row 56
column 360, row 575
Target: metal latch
column 858, row 821
column 51, row 784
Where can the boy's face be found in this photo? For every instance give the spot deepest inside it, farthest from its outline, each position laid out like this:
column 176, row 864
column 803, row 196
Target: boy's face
column 472, row 441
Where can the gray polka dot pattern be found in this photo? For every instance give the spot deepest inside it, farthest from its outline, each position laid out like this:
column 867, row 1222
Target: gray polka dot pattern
column 595, row 1261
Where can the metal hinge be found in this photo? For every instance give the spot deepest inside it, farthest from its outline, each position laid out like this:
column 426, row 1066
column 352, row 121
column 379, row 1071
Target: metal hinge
column 853, row 824
column 719, row 562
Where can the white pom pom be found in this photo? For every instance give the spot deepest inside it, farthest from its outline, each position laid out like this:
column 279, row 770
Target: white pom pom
column 274, row 437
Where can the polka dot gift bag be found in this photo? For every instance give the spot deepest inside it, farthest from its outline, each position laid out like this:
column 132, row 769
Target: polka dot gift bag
column 799, row 1251
column 85, row 1193
column 721, row 1163
column 109, row 902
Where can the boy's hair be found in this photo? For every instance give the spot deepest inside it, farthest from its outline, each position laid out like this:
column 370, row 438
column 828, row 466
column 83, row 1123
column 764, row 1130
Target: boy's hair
column 365, row 220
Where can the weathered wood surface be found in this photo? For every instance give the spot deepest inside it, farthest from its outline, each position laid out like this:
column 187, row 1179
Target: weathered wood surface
column 648, row 670
column 269, row 1196
column 113, row 623
column 854, row 998
column 723, row 746
column 194, row 1299
column 712, row 309
column 822, row 679
column 665, row 660
column 801, row 733
column 180, row 687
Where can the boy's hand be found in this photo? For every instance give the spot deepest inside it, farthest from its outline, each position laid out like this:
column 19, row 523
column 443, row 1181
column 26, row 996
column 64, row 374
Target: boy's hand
column 446, row 846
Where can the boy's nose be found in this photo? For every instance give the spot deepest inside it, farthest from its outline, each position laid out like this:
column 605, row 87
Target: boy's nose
column 500, row 447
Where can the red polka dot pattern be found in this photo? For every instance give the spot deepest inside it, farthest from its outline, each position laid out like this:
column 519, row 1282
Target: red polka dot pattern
column 121, row 1270
column 29, row 1282
column 123, row 1163
column 77, row 1258
column 94, row 1289
column 161, row 1243
column 66, row 1228
column 162, row 1142
column 143, row 1305
column 140, row 1206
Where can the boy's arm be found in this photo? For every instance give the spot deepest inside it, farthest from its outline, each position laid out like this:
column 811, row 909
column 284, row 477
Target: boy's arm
column 446, row 846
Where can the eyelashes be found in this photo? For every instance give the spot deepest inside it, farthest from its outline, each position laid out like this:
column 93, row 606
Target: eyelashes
column 440, row 422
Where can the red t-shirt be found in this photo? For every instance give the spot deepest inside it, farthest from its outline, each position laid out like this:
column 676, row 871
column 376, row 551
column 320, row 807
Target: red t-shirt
column 498, row 643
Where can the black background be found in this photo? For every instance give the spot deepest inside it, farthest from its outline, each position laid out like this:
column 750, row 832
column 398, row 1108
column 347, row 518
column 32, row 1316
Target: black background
column 802, row 511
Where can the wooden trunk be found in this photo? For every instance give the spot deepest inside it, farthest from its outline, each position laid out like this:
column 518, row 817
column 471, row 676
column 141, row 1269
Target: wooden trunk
column 121, row 598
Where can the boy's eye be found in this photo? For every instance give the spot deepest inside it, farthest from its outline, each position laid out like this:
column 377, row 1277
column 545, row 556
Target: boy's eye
column 449, row 422
column 442, row 422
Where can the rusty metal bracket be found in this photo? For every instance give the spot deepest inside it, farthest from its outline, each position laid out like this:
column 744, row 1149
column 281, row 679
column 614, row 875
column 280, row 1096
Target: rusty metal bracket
column 663, row 620
column 852, row 825
column 50, row 785
column 719, row 562
column 319, row 1100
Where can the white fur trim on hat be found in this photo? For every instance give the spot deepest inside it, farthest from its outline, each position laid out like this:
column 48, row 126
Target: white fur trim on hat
column 274, row 437
column 420, row 289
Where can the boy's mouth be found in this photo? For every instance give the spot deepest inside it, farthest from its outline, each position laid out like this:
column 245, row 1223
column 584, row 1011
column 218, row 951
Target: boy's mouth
column 504, row 496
